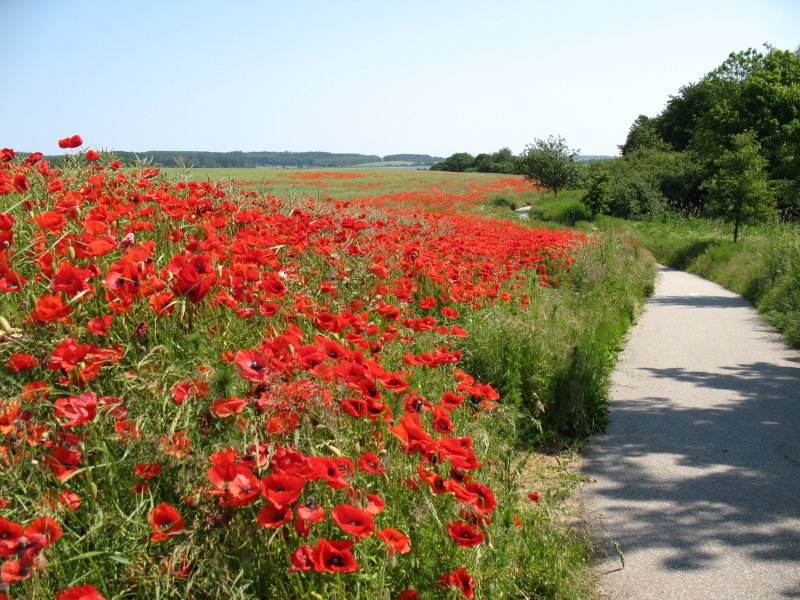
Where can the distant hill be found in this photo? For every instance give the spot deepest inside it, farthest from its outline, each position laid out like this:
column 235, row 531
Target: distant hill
column 423, row 159
column 238, row 159
column 592, row 157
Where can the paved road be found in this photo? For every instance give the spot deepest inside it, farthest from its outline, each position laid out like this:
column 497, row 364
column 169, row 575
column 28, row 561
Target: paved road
column 698, row 475
column 523, row 212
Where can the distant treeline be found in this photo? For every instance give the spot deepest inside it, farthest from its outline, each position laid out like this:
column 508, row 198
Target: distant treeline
column 208, row 160
column 502, row 161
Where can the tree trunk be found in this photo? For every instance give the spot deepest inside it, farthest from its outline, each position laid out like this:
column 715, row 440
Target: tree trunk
column 736, row 229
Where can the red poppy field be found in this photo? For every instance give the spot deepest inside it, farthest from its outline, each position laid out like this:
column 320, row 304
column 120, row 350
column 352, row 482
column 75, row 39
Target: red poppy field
column 209, row 392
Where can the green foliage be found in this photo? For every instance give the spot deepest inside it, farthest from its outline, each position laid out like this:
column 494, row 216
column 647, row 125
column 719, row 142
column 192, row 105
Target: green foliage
column 550, row 163
column 597, row 198
column 502, row 161
column 503, row 202
column 750, row 92
column 648, row 182
column 643, row 135
column 739, row 190
column 458, row 163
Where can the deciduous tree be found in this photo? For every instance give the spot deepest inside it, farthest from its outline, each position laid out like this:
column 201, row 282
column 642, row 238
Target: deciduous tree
column 550, row 163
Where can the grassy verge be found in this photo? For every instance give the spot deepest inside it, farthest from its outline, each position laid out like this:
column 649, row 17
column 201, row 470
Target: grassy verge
column 553, row 361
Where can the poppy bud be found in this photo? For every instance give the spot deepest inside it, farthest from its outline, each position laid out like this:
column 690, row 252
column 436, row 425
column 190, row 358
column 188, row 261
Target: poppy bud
column 6, row 326
column 335, row 450
column 71, row 253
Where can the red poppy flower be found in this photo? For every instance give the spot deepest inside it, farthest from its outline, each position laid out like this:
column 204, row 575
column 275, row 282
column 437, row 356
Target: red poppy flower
column 234, row 483
column 460, row 579
column 50, row 307
column 177, row 444
column 83, row 592
column 301, row 559
column 311, row 511
column 272, row 516
column 165, row 522
column 67, row 355
column 194, row 276
column 70, row 279
column 534, row 497
column 354, row 521
column 225, row 407
column 291, row 462
column 355, row 407
column 411, row 433
column 78, row 409
column 70, row 142
column 100, row 325
column 394, row 381
column 465, row 535
column 10, row 534
column 282, row 489
column 253, row 365
column 46, row 527
column 63, row 462
column 21, row 183
column 459, row 451
column 12, row 282
column 375, row 504
column 147, row 470
column 69, row 500
column 409, row 595
column 441, row 422
column 92, row 155
column 334, row 556
column 326, row 468
column 395, row 541
column 22, row 362
column 189, row 389
column 16, row 570
column 451, row 401
column 370, row 463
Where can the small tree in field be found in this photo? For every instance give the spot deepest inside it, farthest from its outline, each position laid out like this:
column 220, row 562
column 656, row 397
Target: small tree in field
column 740, row 191
column 550, row 163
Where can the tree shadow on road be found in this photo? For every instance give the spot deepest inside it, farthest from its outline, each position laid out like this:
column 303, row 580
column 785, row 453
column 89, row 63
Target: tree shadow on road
column 729, row 469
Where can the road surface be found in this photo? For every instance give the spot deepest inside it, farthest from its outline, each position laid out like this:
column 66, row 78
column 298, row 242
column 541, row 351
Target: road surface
column 697, row 478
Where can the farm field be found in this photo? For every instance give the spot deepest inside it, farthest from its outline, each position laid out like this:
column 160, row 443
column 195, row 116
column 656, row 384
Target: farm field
column 313, row 385
column 376, row 185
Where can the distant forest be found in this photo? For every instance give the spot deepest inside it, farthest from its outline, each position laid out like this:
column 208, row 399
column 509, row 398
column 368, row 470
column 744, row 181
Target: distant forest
column 174, row 158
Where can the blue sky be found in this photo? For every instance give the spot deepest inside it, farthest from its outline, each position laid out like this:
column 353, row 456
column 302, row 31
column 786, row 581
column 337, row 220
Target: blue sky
column 369, row 77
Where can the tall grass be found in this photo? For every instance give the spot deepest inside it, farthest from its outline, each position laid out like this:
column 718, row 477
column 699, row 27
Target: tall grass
column 553, row 360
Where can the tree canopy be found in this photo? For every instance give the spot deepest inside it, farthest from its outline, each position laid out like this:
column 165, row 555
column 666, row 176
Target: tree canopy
column 744, row 115
column 550, row 163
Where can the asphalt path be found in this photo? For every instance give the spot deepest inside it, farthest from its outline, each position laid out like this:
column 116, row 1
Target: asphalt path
column 697, row 479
